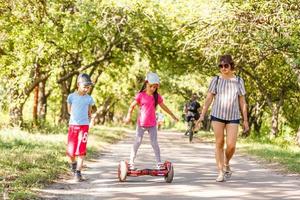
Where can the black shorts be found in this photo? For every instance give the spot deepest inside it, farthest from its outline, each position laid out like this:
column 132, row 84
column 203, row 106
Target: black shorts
column 234, row 121
column 189, row 116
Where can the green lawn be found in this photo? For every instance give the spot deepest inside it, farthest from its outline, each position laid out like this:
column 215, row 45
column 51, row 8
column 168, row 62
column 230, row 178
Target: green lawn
column 30, row 160
column 287, row 155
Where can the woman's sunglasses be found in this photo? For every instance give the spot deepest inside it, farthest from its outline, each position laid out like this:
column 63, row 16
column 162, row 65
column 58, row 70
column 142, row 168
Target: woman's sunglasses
column 224, row 66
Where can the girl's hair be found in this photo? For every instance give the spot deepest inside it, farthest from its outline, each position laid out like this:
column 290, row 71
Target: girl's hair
column 227, row 59
column 155, row 94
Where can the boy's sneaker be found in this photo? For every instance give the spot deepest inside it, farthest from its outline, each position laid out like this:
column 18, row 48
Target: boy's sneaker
column 73, row 167
column 160, row 166
column 78, row 176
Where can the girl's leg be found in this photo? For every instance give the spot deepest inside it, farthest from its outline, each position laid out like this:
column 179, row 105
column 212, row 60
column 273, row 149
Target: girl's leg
column 231, row 137
column 218, row 128
column 154, row 143
column 138, row 140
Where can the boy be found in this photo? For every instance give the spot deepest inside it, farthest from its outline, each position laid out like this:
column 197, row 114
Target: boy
column 79, row 107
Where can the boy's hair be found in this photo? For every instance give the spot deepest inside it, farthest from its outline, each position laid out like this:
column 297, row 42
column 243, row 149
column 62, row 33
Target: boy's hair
column 84, row 79
column 155, row 94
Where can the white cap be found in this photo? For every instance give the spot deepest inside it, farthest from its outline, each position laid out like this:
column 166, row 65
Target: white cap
column 152, row 78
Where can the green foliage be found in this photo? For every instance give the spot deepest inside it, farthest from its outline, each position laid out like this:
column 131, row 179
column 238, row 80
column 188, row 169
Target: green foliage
column 277, row 151
column 117, row 42
column 31, row 160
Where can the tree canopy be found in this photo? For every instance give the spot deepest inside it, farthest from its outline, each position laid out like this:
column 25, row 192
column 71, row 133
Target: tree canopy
column 45, row 44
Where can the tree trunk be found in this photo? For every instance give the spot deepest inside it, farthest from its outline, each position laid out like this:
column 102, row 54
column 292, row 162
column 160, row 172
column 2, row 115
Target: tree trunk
column 42, row 107
column 64, row 116
column 255, row 117
column 206, row 123
column 16, row 115
column 257, row 125
column 35, row 105
column 65, row 91
column 274, row 122
column 15, row 108
column 298, row 137
column 111, row 113
column 100, row 115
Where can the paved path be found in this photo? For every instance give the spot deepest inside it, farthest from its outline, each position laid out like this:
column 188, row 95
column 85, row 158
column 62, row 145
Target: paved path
column 195, row 174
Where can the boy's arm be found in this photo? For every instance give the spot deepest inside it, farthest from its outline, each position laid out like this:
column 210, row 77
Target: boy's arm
column 131, row 108
column 167, row 110
column 69, row 108
column 90, row 111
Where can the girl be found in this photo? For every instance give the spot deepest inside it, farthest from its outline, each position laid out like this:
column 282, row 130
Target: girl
column 147, row 99
column 228, row 93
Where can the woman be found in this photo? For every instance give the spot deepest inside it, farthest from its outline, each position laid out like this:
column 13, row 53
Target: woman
column 228, row 93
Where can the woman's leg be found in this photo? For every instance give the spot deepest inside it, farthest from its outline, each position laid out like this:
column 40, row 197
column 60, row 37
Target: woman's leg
column 138, row 141
column 218, row 128
column 231, row 137
column 154, row 143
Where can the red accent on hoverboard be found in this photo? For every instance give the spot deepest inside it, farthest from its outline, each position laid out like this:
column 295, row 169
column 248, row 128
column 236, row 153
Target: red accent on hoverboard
column 124, row 171
column 151, row 172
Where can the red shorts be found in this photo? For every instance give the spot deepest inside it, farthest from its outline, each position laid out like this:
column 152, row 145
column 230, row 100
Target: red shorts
column 77, row 140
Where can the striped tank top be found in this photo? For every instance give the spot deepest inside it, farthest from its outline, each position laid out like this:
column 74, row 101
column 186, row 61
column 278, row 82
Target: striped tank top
column 226, row 101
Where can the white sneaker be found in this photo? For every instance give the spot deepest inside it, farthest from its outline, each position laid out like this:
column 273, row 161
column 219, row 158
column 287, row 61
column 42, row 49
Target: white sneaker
column 160, row 166
column 131, row 166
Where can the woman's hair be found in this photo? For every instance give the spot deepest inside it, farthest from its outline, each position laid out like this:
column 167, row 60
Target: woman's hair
column 228, row 60
column 155, row 94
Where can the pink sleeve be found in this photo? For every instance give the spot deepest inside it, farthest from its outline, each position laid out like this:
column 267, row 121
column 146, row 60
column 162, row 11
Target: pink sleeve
column 138, row 98
column 160, row 99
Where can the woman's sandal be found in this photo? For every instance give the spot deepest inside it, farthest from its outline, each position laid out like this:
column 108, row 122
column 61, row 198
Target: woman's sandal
column 220, row 177
column 227, row 171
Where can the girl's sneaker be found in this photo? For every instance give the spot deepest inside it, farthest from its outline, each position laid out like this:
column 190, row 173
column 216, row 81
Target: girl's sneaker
column 131, row 166
column 160, row 166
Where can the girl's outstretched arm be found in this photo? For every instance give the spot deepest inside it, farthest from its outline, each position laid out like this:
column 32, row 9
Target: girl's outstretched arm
column 167, row 110
column 131, row 108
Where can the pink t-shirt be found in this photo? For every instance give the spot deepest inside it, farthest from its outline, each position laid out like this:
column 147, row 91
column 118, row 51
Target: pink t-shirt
column 147, row 116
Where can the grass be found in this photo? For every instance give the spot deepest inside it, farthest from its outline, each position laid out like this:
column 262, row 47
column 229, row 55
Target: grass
column 287, row 156
column 30, row 160
column 279, row 151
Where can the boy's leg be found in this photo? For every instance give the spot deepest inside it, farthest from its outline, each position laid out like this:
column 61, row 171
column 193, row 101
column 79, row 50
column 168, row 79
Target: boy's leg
column 71, row 147
column 79, row 162
column 154, row 143
column 81, row 150
column 138, row 140
column 78, row 176
column 72, row 163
